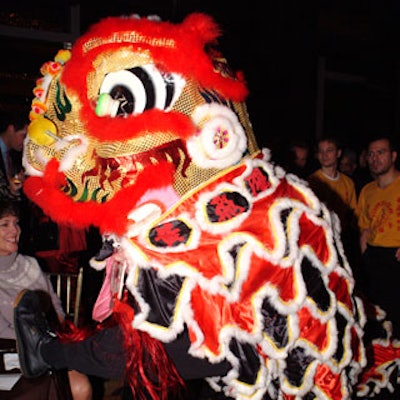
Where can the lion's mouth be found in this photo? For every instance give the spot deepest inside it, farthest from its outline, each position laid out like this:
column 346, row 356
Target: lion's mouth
column 109, row 175
column 171, row 152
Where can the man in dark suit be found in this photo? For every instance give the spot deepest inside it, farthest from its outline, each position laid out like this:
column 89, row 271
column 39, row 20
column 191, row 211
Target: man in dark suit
column 12, row 134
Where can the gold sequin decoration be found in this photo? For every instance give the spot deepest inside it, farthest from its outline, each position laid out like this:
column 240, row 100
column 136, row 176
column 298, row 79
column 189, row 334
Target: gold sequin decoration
column 112, row 61
column 128, row 37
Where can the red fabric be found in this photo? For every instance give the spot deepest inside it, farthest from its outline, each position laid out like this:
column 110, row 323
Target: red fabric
column 58, row 261
column 330, row 383
column 341, row 287
column 71, row 239
column 314, row 331
column 248, row 260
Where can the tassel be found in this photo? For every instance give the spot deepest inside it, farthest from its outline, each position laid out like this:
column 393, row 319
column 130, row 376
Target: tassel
column 150, row 371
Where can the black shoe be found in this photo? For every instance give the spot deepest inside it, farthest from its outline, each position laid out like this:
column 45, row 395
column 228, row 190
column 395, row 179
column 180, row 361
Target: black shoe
column 32, row 331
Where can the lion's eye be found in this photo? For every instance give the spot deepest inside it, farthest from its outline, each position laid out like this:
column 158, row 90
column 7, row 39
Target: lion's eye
column 136, row 90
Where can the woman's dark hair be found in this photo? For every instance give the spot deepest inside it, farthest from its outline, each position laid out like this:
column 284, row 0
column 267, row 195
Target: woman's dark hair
column 8, row 207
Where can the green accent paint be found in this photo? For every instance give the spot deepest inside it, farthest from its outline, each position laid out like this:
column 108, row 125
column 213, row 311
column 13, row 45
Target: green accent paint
column 64, row 107
column 74, row 190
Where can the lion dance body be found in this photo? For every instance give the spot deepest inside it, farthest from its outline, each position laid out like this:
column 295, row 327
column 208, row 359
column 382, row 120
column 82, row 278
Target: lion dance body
column 142, row 130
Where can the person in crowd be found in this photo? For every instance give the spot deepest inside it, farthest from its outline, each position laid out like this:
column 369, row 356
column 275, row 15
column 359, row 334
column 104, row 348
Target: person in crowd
column 362, row 174
column 379, row 222
column 12, row 133
column 13, row 128
column 348, row 161
column 15, row 154
column 18, row 272
column 330, row 185
column 355, row 166
column 337, row 191
column 297, row 158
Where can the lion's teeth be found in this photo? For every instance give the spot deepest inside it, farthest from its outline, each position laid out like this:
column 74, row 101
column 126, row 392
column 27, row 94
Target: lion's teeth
column 168, row 157
column 139, row 166
column 153, row 160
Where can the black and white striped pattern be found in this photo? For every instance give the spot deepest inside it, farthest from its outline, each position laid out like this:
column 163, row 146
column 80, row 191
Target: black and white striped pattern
column 142, row 88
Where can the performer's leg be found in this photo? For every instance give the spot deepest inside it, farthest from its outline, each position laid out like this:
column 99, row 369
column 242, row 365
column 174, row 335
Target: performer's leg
column 103, row 355
column 40, row 350
column 100, row 355
column 382, row 271
column 190, row 367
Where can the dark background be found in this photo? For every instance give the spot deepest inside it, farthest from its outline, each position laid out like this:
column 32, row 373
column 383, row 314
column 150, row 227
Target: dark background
column 313, row 67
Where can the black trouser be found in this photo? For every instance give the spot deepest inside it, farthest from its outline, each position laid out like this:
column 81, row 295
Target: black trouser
column 382, row 281
column 103, row 355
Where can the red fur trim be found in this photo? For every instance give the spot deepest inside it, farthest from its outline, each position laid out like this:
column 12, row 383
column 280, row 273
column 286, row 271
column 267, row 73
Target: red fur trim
column 111, row 216
column 121, row 129
column 176, row 47
column 202, row 25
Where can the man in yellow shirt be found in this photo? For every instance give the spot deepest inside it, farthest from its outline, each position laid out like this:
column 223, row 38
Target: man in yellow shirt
column 379, row 222
column 336, row 189
column 338, row 192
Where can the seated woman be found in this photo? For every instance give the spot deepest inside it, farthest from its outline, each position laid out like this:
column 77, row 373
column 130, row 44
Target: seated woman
column 19, row 272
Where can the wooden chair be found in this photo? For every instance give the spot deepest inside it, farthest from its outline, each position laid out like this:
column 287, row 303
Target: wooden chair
column 65, row 271
column 68, row 286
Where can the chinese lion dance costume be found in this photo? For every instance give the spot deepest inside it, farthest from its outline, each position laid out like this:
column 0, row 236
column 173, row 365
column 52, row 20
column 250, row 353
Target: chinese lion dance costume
column 141, row 130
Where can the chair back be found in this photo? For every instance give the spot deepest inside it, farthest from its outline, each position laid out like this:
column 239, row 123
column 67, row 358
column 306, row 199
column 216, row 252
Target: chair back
column 68, row 286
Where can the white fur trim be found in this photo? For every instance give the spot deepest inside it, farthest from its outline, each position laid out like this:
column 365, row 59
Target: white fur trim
column 220, row 141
